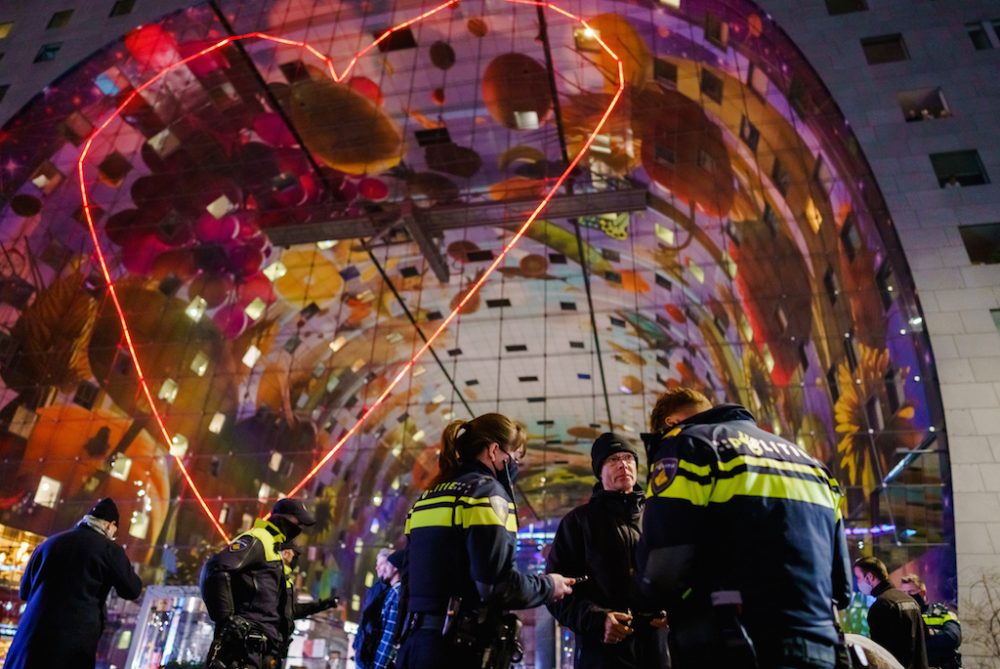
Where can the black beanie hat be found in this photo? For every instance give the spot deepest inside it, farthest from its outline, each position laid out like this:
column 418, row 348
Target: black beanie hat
column 604, row 447
column 105, row 510
column 397, row 560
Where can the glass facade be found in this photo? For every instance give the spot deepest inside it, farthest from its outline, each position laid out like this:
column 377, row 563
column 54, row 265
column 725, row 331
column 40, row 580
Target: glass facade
column 277, row 216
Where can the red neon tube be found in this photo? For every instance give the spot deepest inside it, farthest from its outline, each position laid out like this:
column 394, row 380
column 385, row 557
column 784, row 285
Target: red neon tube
column 113, row 293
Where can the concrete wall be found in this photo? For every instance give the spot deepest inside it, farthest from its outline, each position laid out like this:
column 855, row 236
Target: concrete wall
column 956, row 296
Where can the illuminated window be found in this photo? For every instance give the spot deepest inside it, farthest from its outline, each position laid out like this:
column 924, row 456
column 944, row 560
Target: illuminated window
column 955, row 169
column 122, row 7
column 982, row 243
column 711, row 86
column 5, row 28
column 835, row 7
column 47, row 493
column 47, row 52
column 923, row 104
column 885, row 49
column 60, row 19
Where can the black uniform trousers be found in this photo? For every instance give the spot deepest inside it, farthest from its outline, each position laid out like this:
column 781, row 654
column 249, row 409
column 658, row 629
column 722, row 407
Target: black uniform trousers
column 427, row 649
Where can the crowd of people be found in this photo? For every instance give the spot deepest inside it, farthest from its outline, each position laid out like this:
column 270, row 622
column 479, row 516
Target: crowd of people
column 733, row 555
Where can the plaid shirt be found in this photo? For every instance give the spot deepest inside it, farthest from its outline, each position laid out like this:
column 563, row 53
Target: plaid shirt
column 386, row 652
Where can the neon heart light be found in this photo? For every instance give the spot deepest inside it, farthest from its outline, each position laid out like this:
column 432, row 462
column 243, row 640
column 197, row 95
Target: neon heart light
column 102, row 259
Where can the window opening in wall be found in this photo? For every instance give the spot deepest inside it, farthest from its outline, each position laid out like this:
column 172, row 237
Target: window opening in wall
column 885, row 49
column 665, row 73
column 955, row 169
column 982, row 242
column 716, row 30
column 822, row 175
column 749, row 133
column 831, row 382
column 757, row 79
column 48, row 52
column 122, row 7
column 923, row 104
column 3, row 91
column 850, row 237
column 711, row 86
column 996, row 318
column 895, row 389
column 780, row 176
column 886, row 281
column 831, row 285
column 984, row 34
column 5, row 28
column 834, row 7
column 60, row 19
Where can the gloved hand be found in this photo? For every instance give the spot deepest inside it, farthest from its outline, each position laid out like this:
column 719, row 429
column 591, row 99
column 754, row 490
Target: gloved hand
column 330, row 602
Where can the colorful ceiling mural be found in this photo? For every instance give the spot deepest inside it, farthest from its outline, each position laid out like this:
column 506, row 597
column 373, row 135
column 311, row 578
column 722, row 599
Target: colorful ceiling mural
column 277, row 233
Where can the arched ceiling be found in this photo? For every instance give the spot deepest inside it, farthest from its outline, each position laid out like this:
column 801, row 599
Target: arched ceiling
column 278, row 239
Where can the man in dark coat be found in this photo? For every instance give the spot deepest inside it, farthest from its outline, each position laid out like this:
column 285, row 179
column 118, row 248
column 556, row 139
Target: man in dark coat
column 598, row 540
column 894, row 618
column 370, row 625
column 66, row 584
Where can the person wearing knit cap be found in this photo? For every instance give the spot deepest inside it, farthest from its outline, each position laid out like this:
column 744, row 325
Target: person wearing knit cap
column 65, row 585
column 598, row 540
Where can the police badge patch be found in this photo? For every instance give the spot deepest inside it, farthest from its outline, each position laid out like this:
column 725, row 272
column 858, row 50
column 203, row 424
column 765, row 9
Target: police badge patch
column 240, row 544
column 663, row 474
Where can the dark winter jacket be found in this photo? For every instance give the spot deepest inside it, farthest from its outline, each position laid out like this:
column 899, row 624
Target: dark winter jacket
column 247, row 579
column 66, row 585
column 598, row 540
column 370, row 625
column 895, row 624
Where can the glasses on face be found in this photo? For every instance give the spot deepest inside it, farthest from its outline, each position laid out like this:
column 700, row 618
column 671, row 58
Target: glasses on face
column 620, row 458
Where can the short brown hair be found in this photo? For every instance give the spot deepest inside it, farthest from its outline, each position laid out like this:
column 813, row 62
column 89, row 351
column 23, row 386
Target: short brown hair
column 874, row 566
column 672, row 401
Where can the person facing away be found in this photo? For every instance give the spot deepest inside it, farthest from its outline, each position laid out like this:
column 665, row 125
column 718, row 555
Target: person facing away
column 894, row 620
column 370, row 625
column 392, row 573
column 246, row 592
column 66, row 586
column 942, row 629
column 598, row 540
column 297, row 610
column 462, row 538
column 742, row 540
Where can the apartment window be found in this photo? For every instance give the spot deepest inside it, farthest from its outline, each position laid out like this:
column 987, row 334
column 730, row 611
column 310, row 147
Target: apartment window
column 884, row 49
column 831, row 285
column 757, row 79
column 48, row 52
column 982, row 243
column 122, row 7
column 665, row 73
column 955, row 169
column 886, row 282
column 5, row 28
column 780, row 177
column 716, row 30
column 60, row 19
column 749, row 133
column 995, row 313
column 923, row 104
column 711, row 86
column 834, row 7
column 3, row 91
column 984, row 34
column 850, row 237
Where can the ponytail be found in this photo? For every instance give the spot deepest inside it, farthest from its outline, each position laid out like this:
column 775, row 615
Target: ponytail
column 463, row 441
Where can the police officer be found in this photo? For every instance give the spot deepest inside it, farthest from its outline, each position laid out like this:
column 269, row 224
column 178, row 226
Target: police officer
column 942, row 630
column 462, row 534
column 247, row 595
column 743, row 543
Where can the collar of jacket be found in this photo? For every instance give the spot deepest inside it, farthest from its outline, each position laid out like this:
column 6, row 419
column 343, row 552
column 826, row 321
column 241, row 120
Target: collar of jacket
column 881, row 587
column 272, row 529
column 478, row 467
column 723, row 413
column 629, row 503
